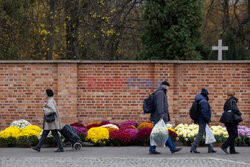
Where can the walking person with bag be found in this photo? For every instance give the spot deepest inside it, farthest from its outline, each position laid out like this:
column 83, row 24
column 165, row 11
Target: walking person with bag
column 161, row 113
column 231, row 117
column 204, row 118
column 51, row 122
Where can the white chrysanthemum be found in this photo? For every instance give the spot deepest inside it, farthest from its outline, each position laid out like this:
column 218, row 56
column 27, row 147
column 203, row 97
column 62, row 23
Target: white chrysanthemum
column 110, row 126
column 20, row 123
column 169, row 126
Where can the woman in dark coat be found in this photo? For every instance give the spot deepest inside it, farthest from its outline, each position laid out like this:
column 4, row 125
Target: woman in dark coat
column 232, row 128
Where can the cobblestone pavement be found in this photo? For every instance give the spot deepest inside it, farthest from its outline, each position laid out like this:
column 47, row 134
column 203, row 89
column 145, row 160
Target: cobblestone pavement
column 121, row 157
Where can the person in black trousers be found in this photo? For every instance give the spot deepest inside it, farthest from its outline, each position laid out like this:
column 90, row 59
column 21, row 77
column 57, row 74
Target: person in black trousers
column 50, row 108
column 232, row 128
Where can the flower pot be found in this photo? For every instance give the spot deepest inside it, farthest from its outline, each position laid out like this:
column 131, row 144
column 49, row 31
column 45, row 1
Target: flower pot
column 202, row 145
column 52, row 145
column 4, row 145
column 218, row 144
column 26, row 146
column 186, row 144
column 11, row 145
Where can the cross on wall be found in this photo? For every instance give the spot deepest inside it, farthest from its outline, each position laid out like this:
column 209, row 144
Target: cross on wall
column 220, row 48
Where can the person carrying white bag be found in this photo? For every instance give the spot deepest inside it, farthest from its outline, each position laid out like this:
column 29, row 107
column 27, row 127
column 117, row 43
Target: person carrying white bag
column 203, row 120
column 161, row 114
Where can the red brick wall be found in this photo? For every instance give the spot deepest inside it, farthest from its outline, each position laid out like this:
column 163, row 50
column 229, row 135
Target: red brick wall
column 114, row 91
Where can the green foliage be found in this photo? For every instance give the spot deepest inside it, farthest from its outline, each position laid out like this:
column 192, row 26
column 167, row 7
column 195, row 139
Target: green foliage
column 172, row 29
column 50, row 140
column 3, row 141
column 22, row 141
column 236, row 50
column 203, row 50
column 27, row 140
column 11, row 140
column 33, row 140
column 82, row 137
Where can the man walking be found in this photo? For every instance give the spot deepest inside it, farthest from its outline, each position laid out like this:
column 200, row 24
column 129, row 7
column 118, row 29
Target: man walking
column 161, row 112
column 203, row 119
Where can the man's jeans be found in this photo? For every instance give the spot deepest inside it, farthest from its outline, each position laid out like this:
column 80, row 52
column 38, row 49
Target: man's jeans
column 169, row 143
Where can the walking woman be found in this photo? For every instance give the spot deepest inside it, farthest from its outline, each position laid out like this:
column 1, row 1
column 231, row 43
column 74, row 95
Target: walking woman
column 53, row 125
column 232, row 122
column 203, row 119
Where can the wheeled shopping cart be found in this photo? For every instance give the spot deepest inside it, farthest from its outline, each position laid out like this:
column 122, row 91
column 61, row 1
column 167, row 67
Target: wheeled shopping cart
column 71, row 136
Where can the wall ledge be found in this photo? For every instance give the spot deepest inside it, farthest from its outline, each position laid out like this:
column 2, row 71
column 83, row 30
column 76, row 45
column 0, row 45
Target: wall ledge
column 123, row 61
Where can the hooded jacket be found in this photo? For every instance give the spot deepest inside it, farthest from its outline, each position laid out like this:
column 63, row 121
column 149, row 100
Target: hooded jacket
column 204, row 109
column 161, row 105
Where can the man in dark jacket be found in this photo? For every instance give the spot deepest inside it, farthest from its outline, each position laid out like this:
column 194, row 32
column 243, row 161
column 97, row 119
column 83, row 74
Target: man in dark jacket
column 203, row 119
column 161, row 112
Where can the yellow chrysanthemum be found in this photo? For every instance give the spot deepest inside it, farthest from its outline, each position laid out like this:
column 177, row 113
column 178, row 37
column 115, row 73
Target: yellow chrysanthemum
column 110, row 129
column 145, row 125
column 98, row 134
column 95, row 122
column 10, row 132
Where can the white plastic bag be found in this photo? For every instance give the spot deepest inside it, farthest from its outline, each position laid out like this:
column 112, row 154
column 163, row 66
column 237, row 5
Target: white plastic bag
column 209, row 136
column 159, row 134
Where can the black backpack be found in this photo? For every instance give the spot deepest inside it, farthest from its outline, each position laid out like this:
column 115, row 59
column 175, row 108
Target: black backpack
column 194, row 111
column 148, row 104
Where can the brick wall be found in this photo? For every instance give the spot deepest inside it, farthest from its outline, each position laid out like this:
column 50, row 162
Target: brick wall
column 86, row 91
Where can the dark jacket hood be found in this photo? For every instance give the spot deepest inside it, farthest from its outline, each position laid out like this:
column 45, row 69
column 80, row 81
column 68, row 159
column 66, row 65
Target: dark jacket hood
column 161, row 88
column 199, row 97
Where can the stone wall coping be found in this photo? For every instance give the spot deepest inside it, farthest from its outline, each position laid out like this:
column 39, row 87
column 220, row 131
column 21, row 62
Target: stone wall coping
column 124, row 61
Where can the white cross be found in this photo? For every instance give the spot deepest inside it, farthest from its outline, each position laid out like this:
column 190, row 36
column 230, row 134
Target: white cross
column 220, row 48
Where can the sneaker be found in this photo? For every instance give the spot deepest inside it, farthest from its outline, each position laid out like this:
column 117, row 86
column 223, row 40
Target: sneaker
column 176, row 150
column 211, row 151
column 225, row 150
column 234, row 152
column 195, row 151
column 35, row 148
column 155, row 152
column 59, row 150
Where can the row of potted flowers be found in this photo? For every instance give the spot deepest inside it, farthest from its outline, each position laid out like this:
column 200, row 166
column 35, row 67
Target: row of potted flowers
column 187, row 134
column 127, row 133
column 22, row 133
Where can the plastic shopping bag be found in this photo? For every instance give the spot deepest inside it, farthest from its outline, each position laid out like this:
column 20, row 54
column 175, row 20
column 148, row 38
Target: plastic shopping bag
column 159, row 134
column 209, row 136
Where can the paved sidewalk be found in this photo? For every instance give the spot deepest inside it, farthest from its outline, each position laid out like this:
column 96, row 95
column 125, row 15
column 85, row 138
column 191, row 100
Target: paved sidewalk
column 121, row 156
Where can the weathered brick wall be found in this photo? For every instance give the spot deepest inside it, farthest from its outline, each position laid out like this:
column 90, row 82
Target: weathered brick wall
column 87, row 91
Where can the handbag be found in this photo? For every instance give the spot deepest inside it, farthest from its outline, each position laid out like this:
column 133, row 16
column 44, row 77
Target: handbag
column 227, row 117
column 230, row 117
column 237, row 118
column 49, row 118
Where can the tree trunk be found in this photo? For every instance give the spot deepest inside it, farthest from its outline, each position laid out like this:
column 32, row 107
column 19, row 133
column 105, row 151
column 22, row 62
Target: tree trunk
column 226, row 21
column 51, row 34
column 72, row 26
